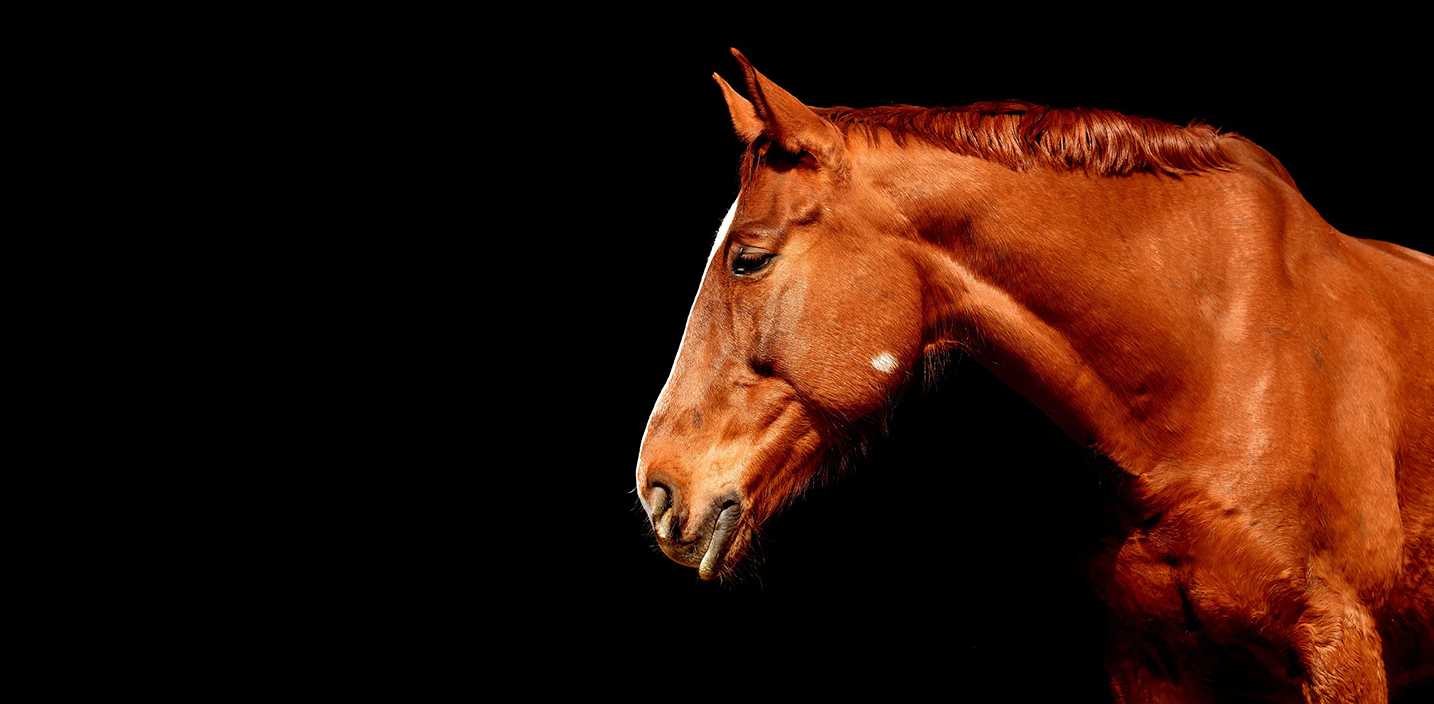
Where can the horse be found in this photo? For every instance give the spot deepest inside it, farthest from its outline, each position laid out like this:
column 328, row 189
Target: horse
column 1163, row 293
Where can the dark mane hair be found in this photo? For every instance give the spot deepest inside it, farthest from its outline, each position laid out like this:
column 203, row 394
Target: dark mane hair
column 1020, row 135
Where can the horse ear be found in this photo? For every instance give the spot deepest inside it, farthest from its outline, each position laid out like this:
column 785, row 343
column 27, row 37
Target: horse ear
column 744, row 116
column 786, row 120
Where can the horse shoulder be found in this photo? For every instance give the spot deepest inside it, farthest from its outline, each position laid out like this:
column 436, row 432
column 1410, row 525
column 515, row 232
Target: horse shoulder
column 1397, row 281
column 1359, row 453
column 1306, row 500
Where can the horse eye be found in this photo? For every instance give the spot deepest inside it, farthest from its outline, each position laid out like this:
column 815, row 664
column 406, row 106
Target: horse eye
column 750, row 262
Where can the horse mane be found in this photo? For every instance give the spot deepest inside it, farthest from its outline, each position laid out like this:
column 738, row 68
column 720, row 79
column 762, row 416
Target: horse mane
column 1022, row 135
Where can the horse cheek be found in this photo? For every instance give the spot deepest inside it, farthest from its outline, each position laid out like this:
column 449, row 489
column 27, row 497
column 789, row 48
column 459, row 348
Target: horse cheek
column 852, row 369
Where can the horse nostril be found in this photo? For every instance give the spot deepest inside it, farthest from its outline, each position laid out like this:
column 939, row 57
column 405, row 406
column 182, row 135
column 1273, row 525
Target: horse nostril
column 660, row 500
column 664, row 519
column 667, row 526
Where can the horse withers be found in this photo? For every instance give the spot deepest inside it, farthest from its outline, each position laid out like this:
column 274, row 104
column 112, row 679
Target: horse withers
column 1163, row 293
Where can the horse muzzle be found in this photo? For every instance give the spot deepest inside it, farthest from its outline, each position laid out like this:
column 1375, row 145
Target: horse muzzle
column 697, row 534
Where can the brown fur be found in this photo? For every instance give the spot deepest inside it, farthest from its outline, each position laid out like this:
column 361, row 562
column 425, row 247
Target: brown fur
column 1258, row 378
column 1021, row 135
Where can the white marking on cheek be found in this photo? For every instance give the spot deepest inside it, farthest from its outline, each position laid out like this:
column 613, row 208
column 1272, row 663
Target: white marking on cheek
column 885, row 362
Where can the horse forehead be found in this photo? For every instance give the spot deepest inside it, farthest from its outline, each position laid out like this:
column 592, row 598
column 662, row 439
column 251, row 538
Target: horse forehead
column 774, row 200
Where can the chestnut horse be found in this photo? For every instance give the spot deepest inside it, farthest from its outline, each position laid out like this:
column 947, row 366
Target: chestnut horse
column 1165, row 294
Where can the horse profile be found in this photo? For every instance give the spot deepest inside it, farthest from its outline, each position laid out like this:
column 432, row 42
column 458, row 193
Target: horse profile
column 1164, row 294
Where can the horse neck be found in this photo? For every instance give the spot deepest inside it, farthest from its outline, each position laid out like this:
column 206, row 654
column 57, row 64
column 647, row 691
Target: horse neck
column 1081, row 292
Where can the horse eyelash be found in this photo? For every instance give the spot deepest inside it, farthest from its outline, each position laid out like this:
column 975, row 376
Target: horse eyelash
column 756, row 260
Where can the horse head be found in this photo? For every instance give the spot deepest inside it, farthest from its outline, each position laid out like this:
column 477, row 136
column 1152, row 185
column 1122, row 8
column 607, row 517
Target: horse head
column 808, row 322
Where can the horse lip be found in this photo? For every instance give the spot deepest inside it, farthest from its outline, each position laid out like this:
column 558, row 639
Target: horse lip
column 726, row 529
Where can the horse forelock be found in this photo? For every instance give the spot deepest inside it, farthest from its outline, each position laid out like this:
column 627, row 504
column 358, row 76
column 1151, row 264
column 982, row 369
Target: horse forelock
column 1022, row 135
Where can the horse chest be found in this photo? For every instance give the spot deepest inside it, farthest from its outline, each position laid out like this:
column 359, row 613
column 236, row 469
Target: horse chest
column 1142, row 584
column 1169, row 584
column 1196, row 615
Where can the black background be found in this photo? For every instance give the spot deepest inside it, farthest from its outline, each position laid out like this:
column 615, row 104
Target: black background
column 945, row 563
column 453, row 258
